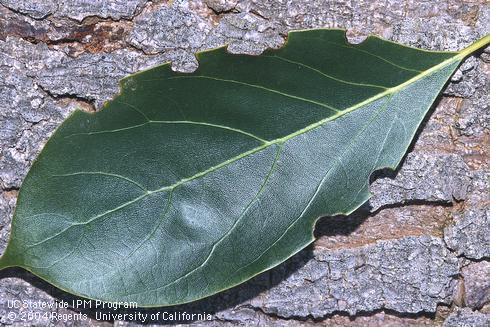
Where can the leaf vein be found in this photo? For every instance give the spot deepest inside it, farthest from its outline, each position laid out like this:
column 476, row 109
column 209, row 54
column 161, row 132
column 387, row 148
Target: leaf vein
column 327, row 75
column 375, row 164
column 236, row 130
column 258, row 87
column 101, row 173
column 374, row 55
column 153, row 231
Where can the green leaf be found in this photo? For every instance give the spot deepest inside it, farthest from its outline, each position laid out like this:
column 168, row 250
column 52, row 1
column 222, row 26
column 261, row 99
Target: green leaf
column 188, row 184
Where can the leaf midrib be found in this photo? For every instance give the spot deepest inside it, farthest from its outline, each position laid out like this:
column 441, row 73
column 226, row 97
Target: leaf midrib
column 279, row 141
